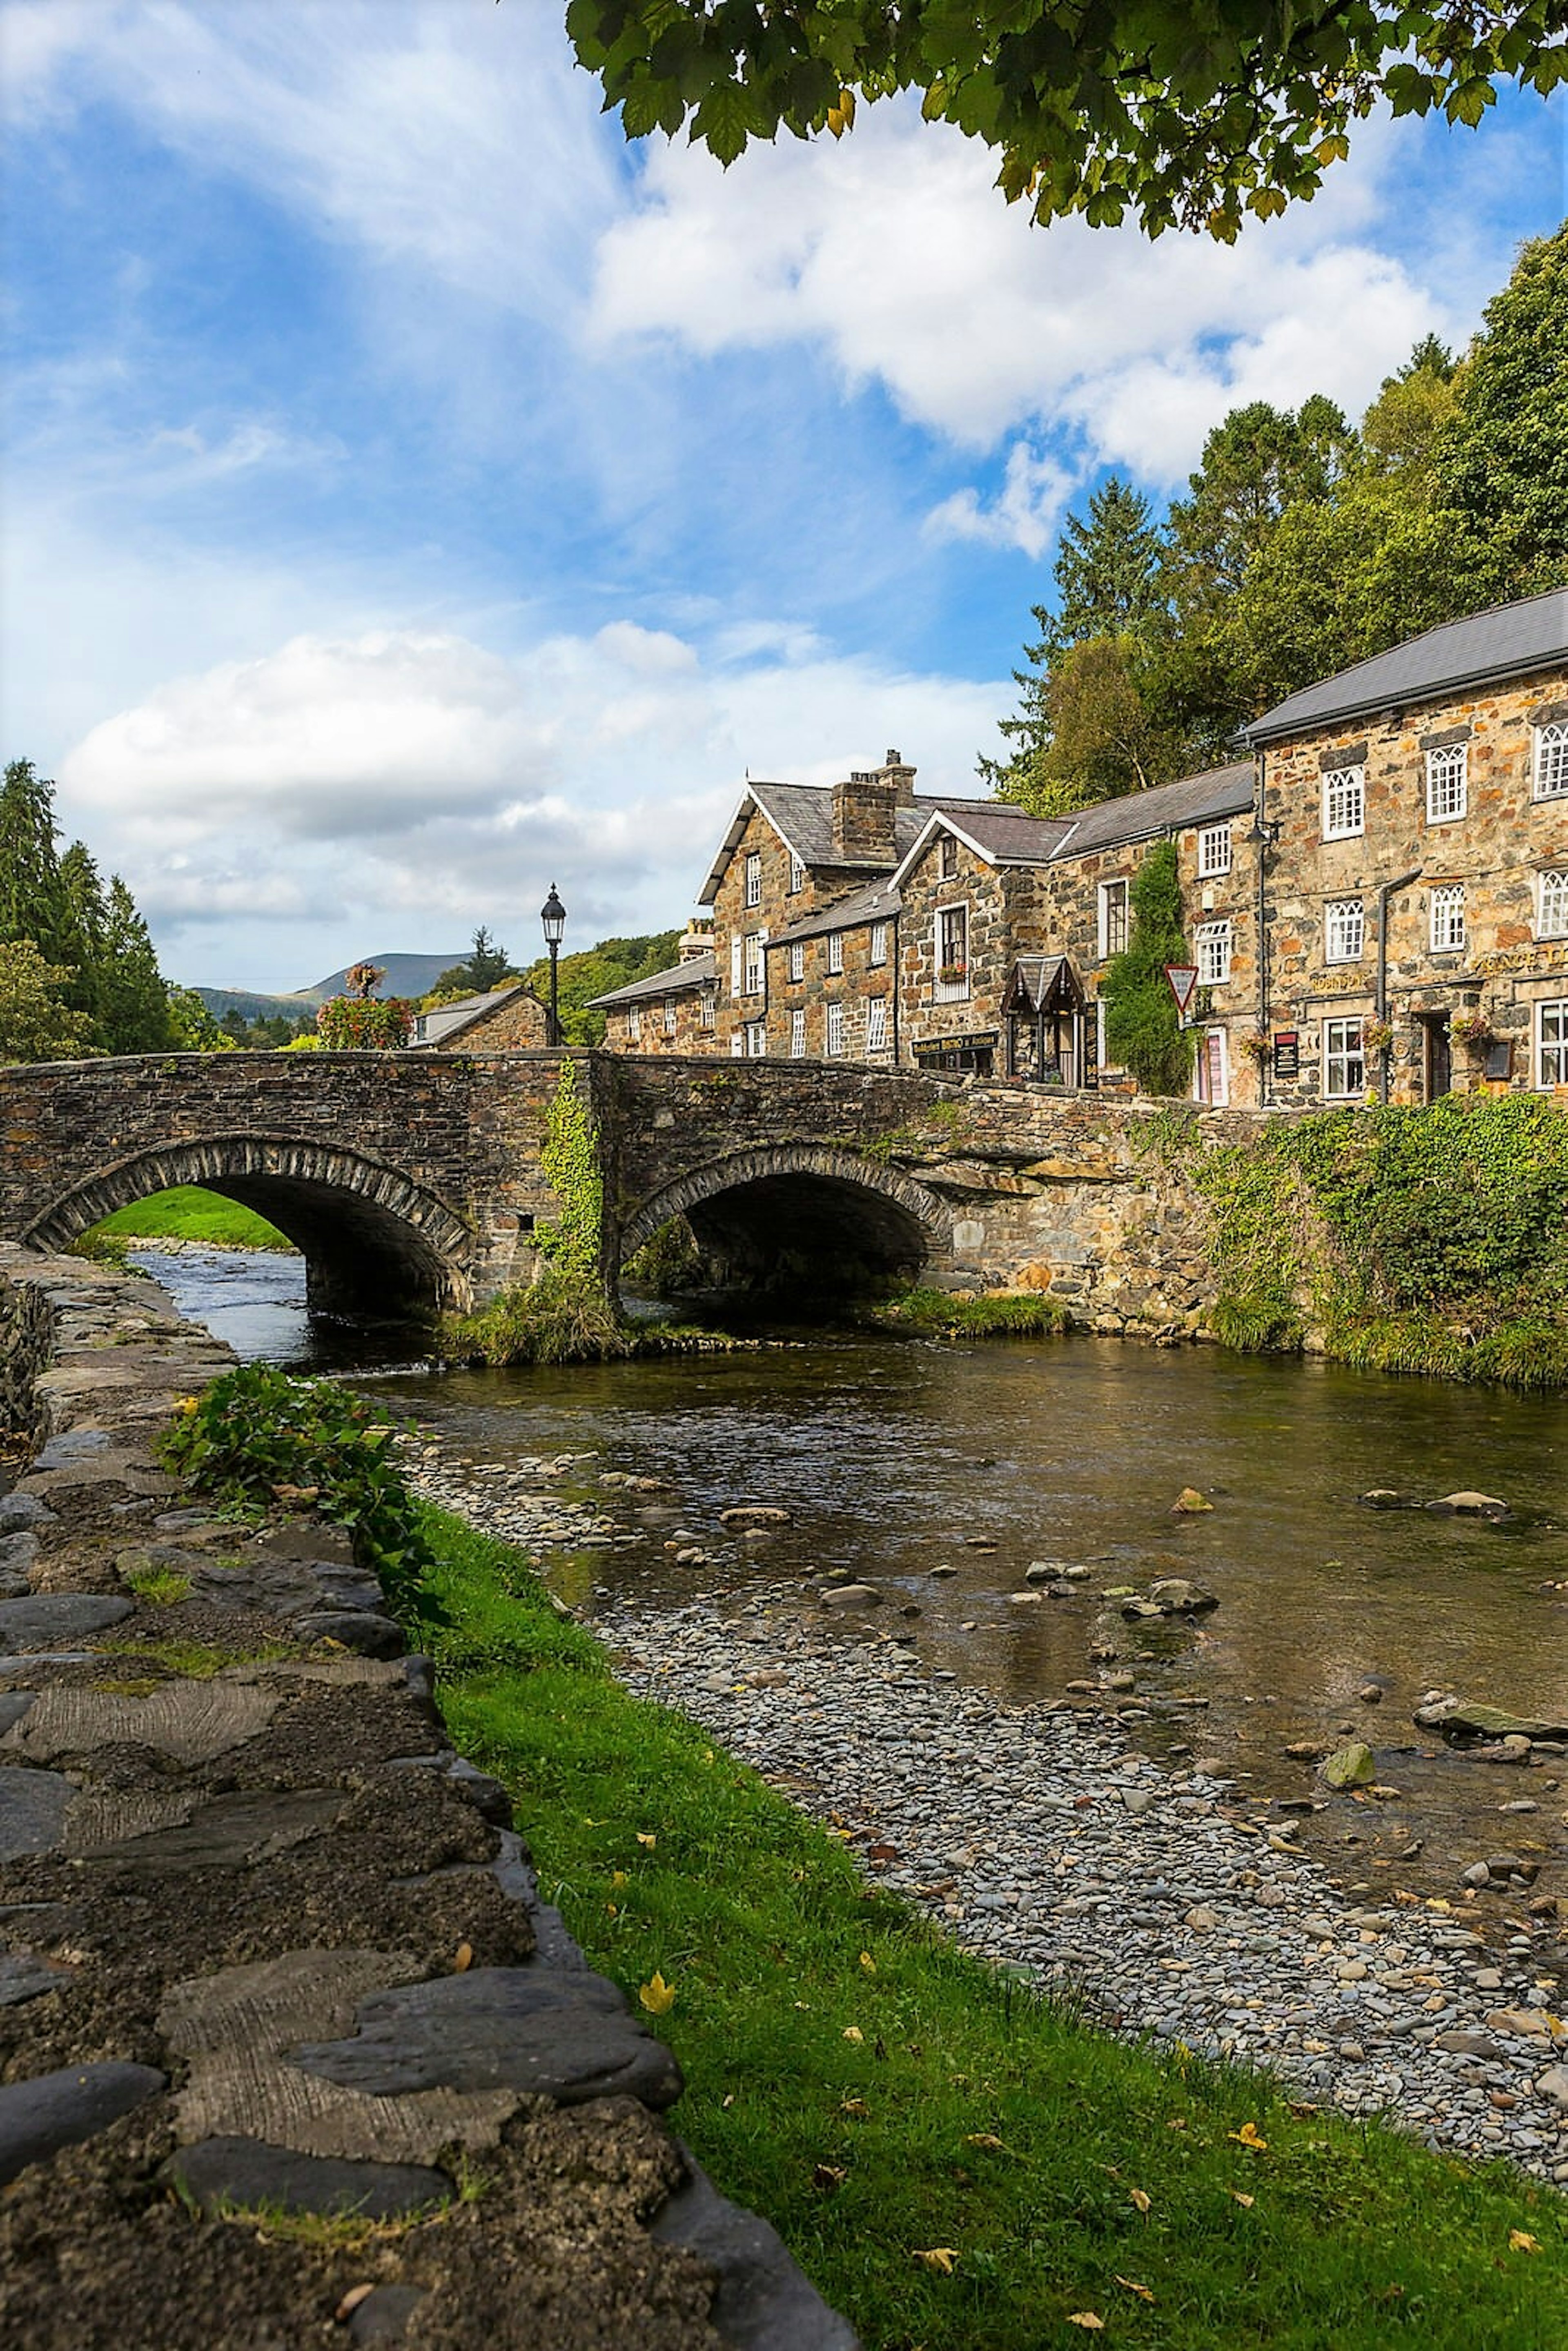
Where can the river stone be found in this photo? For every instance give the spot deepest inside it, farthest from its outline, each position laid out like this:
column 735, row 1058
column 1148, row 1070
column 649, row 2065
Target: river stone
column 755, row 1514
column 1469, row 1718
column 1469, row 1504
column 18, row 1552
column 569, row 2037
column 367, row 1636
column 1554, row 2085
column 384, row 2313
column 37, row 2117
column 1352, row 1766
column 72, row 1445
column 32, row 1811
column 764, row 2302
column 22, row 1511
column 25, row 1974
column 269, row 1587
column 852, row 1596
column 227, row 1834
column 46, row 1618
column 1384, row 1498
column 244, row 2174
column 1189, row 1502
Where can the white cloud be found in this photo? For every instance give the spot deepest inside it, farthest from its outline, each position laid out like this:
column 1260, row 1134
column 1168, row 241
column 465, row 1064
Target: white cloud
column 1025, row 514
column 408, row 780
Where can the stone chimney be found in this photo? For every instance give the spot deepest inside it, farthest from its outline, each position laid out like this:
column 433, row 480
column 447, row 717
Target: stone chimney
column 865, row 808
column 697, row 939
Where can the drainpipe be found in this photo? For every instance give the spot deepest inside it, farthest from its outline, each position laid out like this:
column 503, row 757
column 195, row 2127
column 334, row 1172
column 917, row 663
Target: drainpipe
column 1384, row 891
column 1263, row 834
column 897, row 980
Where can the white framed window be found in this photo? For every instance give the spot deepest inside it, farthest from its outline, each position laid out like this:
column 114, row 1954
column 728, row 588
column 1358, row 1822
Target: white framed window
column 1448, row 782
column 1213, row 852
column 1552, row 904
column 952, row 952
column 835, row 1030
column 1447, row 918
column 797, row 958
column 879, row 943
column 947, row 858
column 798, row 1033
column 1345, row 930
column 754, row 877
column 1345, row 1061
column 1113, row 919
column 876, row 1024
column 1552, row 1042
column 706, row 1010
column 756, row 1039
column 1345, row 803
column 671, row 1016
column 835, row 951
column 1213, row 944
column 1552, row 761
column 796, row 874
column 754, row 981
column 735, row 952
column 634, row 1025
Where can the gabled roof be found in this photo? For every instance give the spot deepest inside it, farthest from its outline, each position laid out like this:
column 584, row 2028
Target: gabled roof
column 874, row 902
column 1000, row 834
column 1218, row 792
column 1043, row 983
column 1508, row 642
column 444, row 1020
column 697, row 971
column 802, row 817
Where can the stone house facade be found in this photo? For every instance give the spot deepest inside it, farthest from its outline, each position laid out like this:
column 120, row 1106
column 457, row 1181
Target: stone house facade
column 1417, row 867
column 673, row 1011
column 506, row 1020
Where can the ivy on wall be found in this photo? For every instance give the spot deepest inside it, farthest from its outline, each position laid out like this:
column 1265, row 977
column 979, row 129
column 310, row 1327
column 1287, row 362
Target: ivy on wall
column 570, row 1157
column 1433, row 1239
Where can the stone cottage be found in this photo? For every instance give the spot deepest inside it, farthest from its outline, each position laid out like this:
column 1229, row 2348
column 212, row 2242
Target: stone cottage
column 508, row 1020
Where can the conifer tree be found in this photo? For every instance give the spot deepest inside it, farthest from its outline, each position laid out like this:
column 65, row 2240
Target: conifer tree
column 135, row 1018
column 1107, row 571
column 1506, row 476
column 1143, row 1029
column 32, row 893
column 86, row 920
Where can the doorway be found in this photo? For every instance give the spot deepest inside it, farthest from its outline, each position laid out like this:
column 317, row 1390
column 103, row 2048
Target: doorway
column 1437, row 1056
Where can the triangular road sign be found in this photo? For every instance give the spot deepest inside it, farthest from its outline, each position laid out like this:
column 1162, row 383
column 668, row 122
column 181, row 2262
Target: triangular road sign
column 1181, row 978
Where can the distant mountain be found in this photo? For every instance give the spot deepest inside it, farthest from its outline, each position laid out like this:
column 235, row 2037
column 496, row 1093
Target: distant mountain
column 406, row 975
column 252, row 1006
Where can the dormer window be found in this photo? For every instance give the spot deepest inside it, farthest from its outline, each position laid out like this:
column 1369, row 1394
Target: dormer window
column 796, row 874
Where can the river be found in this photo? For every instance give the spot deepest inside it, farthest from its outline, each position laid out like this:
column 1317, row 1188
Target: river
column 899, row 1459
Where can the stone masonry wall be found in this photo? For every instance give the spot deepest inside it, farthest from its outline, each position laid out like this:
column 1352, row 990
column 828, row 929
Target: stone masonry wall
column 855, row 987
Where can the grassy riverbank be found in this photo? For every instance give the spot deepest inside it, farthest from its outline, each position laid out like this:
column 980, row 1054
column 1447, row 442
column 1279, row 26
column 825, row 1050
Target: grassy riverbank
column 188, row 1213
column 960, row 2165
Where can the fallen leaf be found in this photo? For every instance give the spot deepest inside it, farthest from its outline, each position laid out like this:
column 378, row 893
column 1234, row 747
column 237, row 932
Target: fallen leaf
column 1089, row 2318
column 727, row 2100
column 1141, row 2201
column 618, row 1878
column 853, row 2033
column 1246, row 2202
column 937, row 2257
column 647, row 1838
column 853, row 2106
column 984, row 2139
column 465, row 1959
column 657, row 1996
column 1248, row 2137
column 826, row 2176
column 1132, row 2286
column 350, row 2303
column 1520, row 2240
column 868, row 1963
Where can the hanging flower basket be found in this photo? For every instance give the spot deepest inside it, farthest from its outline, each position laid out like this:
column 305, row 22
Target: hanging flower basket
column 1377, row 1035
column 1257, row 1046
column 952, row 974
column 1473, row 1030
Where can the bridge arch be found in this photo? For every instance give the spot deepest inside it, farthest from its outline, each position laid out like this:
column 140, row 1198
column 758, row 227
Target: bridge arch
column 373, row 1240
column 799, row 1211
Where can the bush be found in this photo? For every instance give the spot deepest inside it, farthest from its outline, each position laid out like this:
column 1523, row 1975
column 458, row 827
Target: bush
column 1143, row 1029
column 563, row 1318
column 256, row 1436
column 939, row 1314
column 359, row 1024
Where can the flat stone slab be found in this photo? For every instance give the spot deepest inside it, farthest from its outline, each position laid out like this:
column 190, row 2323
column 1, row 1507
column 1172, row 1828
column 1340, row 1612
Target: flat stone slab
column 228, row 1833
column 14, row 1704
column 46, row 1618
column 55, row 2110
column 246, row 2175
column 32, row 1811
column 1470, row 1718
column 366, row 1635
column 192, row 1721
column 73, row 1444
column 568, row 2038
column 23, row 1510
column 764, row 2302
column 237, row 2028
column 25, row 1974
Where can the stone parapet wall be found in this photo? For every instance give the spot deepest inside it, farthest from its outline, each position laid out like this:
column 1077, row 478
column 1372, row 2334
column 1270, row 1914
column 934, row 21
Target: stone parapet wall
column 26, row 1342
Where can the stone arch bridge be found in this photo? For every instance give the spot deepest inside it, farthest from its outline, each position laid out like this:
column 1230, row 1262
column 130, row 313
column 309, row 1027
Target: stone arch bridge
column 413, row 1181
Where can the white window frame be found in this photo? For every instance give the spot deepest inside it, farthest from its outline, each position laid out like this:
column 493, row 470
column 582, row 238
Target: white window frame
column 756, row 963
column 876, row 1024
column 878, row 950
column 1448, row 783
column 1342, row 1056
column 753, row 878
column 1212, row 944
column 1549, row 763
column 1118, row 893
column 707, row 1009
column 835, row 952
column 952, row 991
column 1213, row 851
column 1446, row 933
column 946, row 857
column 1345, row 803
column 796, row 960
column 736, row 1044
column 736, row 953
column 1552, row 904
column 798, row 1033
column 634, row 1024
column 1345, row 919
column 756, row 1039
column 1552, row 1042
column 796, row 874
column 835, row 1038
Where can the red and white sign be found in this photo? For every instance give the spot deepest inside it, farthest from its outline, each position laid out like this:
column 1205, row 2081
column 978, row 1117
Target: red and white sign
column 1181, row 978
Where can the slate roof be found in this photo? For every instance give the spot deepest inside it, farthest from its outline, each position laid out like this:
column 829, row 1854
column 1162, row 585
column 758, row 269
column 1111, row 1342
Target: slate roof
column 802, row 816
column 874, row 902
column 445, row 1020
column 1508, row 642
column 1164, row 808
column 698, row 971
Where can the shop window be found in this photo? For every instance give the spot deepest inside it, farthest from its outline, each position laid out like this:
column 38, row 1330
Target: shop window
column 1345, row 1061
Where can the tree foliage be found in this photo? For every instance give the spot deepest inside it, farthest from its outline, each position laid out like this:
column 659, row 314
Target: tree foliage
column 36, row 1023
column 1189, row 116
column 596, row 971
column 1142, row 1032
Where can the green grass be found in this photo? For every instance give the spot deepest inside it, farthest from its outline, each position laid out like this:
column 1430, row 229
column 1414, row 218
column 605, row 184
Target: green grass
column 968, row 2114
column 188, row 1213
column 945, row 1314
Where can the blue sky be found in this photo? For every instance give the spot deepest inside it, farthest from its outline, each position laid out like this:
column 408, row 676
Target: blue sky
column 412, row 496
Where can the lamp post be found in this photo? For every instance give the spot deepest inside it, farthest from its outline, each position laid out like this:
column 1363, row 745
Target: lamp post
column 552, row 914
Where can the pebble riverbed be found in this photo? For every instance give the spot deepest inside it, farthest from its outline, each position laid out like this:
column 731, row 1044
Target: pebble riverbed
column 1169, row 1902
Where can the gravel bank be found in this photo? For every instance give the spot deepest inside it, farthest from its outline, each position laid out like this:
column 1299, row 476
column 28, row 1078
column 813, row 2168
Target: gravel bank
column 1042, row 1842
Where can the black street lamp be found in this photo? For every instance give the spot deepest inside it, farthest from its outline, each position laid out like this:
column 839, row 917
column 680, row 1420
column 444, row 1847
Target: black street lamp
column 552, row 914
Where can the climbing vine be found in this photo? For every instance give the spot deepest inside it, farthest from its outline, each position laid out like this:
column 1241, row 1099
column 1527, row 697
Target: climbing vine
column 1428, row 1239
column 570, row 1157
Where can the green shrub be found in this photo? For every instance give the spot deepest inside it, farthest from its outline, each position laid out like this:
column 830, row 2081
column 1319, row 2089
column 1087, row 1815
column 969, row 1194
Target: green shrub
column 940, row 1313
column 256, row 1436
column 563, row 1318
column 1143, row 1030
